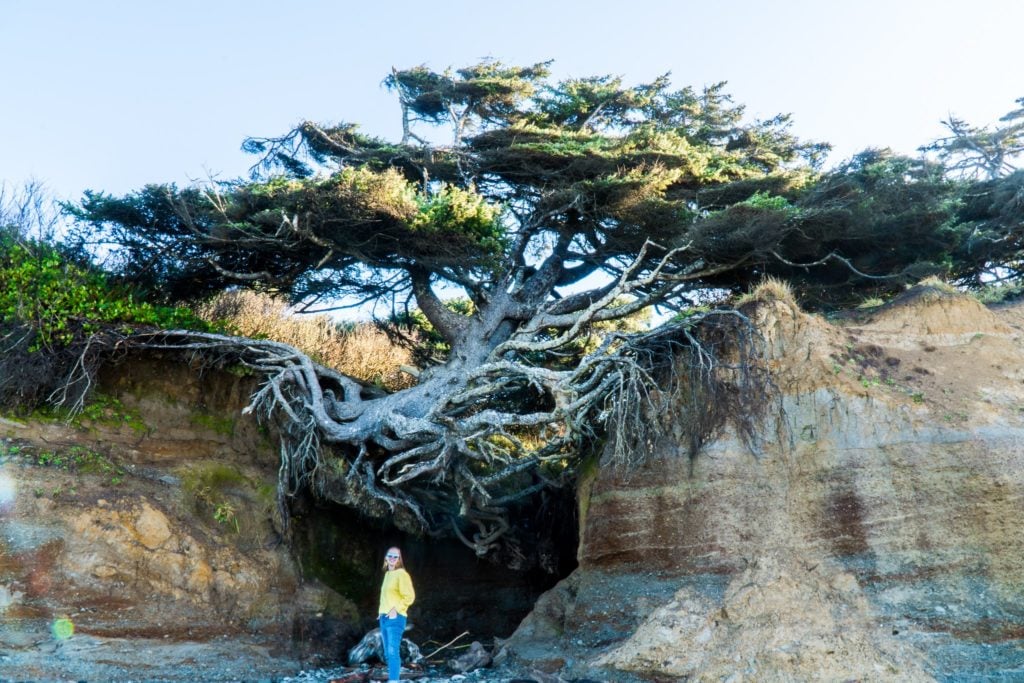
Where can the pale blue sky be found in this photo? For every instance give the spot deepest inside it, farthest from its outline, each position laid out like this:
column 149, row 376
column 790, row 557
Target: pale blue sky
column 111, row 95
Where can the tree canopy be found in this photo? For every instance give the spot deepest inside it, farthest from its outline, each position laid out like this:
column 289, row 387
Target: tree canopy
column 550, row 207
column 971, row 151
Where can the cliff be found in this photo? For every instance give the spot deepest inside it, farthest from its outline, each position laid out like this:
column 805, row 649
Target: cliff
column 143, row 541
column 147, row 530
column 878, row 535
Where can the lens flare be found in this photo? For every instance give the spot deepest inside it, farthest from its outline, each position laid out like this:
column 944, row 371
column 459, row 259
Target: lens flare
column 8, row 490
column 63, row 629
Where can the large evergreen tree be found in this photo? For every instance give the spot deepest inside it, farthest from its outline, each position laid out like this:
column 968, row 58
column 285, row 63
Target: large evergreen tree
column 550, row 207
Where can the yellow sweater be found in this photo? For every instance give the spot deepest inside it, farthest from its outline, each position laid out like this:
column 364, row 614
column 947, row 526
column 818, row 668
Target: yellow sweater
column 396, row 592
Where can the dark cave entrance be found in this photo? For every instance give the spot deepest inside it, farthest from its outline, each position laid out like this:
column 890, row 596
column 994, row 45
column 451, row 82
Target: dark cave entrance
column 456, row 591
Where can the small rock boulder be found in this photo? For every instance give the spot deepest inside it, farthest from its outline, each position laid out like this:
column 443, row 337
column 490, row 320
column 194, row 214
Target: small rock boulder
column 476, row 657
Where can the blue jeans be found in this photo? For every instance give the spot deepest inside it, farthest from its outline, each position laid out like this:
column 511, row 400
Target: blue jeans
column 391, row 631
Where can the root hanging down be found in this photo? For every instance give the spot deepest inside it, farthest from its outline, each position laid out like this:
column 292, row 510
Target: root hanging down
column 506, row 414
column 455, row 454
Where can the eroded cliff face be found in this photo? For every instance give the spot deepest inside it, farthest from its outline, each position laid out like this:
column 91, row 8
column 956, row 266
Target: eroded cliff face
column 143, row 540
column 878, row 535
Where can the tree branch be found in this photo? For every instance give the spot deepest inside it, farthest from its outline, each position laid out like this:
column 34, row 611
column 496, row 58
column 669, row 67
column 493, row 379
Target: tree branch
column 450, row 325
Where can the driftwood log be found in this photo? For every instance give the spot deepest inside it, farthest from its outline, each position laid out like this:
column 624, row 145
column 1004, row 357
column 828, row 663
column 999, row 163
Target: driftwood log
column 372, row 646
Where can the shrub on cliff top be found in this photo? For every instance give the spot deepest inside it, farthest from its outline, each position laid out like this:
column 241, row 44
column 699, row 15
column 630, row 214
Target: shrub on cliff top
column 58, row 319
column 58, row 300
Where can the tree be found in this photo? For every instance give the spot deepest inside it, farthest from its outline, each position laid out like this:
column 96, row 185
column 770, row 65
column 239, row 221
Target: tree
column 990, row 204
column 985, row 153
column 555, row 207
column 990, row 219
column 881, row 220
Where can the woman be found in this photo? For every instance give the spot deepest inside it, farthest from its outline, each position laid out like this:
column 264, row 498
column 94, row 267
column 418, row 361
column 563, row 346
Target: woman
column 396, row 594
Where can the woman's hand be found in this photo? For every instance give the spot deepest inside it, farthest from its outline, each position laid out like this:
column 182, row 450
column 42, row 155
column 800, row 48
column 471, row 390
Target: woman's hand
column 393, row 613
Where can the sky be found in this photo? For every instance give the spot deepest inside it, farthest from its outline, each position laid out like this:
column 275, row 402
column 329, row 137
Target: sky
column 110, row 95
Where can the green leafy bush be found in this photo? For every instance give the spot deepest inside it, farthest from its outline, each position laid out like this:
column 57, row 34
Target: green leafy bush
column 61, row 300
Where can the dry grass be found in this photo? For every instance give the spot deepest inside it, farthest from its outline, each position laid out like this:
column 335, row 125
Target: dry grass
column 362, row 351
column 769, row 289
column 870, row 302
column 936, row 283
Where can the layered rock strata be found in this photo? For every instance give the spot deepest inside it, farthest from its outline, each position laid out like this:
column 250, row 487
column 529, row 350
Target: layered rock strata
column 140, row 542
column 879, row 535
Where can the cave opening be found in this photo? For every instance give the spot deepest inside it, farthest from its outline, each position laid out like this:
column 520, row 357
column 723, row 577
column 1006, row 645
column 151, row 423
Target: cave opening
column 456, row 591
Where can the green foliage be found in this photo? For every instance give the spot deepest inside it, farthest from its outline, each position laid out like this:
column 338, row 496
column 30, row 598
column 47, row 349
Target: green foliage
column 531, row 159
column 764, row 200
column 375, row 218
column 487, row 91
column 615, row 165
column 982, row 152
column 889, row 217
column 213, row 490
column 223, row 425
column 996, row 294
column 224, row 513
column 109, row 411
column 454, row 211
column 991, row 251
column 82, row 460
column 98, row 410
column 9, row 450
column 61, row 300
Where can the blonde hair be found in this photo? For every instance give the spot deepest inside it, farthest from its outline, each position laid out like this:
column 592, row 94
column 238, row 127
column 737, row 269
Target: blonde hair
column 398, row 565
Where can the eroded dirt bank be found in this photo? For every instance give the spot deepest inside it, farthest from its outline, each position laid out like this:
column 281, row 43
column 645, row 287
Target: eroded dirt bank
column 877, row 536
column 144, row 542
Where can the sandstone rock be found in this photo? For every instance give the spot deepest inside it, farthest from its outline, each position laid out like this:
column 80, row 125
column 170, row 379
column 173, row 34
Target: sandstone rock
column 780, row 620
column 155, row 586
column 104, row 571
column 151, row 528
column 879, row 522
